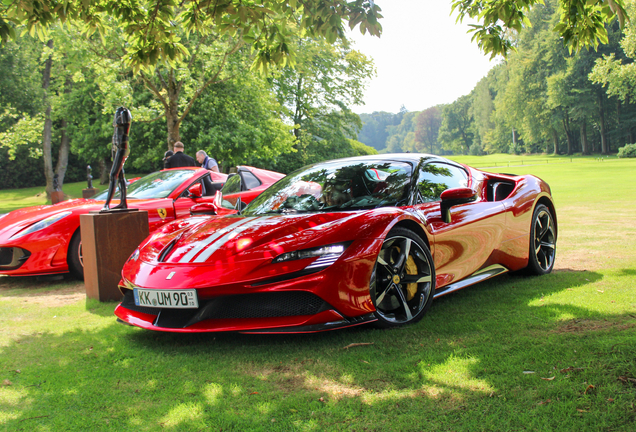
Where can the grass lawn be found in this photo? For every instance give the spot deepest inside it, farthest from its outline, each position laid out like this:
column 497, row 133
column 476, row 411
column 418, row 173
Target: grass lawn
column 551, row 353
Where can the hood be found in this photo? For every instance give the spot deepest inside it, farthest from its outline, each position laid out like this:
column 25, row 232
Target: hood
column 207, row 240
column 17, row 220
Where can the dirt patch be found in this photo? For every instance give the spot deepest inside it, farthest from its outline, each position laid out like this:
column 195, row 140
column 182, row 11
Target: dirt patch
column 53, row 298
column 580, row 326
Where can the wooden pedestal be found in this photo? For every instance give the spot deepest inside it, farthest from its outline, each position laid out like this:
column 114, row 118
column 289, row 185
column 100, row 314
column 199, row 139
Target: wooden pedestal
column 108, row 239
column 89, row 192
column 56, row 197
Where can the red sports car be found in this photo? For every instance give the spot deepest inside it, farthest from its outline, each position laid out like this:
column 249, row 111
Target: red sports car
column 46, row 239
column 341, row 243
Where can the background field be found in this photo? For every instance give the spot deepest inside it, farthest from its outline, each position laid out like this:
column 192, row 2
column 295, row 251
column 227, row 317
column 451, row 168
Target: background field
column 553, row 353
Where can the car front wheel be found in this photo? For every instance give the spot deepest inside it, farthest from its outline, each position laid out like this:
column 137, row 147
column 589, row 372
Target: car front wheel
column 74, row 257
column 403, row 280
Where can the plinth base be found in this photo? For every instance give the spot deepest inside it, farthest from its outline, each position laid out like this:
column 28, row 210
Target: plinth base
column 108, row 239
column 56, row 197
column 89, row 192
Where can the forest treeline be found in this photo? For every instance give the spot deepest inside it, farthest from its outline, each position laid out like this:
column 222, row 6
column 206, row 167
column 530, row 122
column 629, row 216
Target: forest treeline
column 541, row 99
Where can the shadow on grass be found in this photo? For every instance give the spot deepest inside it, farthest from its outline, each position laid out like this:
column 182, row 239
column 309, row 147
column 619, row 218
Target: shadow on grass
column 628, row 272
column 460, row 368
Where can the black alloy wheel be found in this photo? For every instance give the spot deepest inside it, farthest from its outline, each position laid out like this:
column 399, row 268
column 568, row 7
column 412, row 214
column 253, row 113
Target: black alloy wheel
column 403, row 280
column 542, row 241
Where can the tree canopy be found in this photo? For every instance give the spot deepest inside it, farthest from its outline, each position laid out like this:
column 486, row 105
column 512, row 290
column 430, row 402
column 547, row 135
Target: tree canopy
column 152, row 28
column 581, row 23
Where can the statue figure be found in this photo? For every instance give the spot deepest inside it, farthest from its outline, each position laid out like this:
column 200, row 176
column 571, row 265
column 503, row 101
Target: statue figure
column 56, row 182
column 89, row 177
column 121, row 150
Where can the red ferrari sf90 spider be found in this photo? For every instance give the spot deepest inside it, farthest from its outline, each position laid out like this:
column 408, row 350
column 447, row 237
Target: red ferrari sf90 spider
column 341, row 243
column 46, row 239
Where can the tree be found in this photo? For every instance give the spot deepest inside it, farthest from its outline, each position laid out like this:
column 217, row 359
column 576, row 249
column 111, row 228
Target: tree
column 151, row 28
column 455, row 133
column 581, row 23
column 427, row 130
column 318, row 93
column 375, row 127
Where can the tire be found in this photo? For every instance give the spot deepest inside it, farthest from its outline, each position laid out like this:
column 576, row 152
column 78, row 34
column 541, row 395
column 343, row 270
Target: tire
column 542, row 242
column 74, row 256
column 402, row 284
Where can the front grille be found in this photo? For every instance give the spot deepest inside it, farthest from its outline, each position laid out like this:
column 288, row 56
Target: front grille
column 12, row 258
column 244, row 306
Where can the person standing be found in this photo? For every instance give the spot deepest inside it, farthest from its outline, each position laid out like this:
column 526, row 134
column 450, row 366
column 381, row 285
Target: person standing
column 206, row 161
column 166, row 157
column 179, row 158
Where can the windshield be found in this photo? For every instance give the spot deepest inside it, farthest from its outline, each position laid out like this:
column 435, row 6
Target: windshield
column 337, row 186
column 156, row 185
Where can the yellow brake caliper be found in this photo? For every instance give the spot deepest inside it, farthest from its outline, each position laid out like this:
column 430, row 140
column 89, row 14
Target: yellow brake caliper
column 411, row 269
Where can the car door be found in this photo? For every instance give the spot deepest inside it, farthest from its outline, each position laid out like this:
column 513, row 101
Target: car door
column 470, row 240
column 184, row 202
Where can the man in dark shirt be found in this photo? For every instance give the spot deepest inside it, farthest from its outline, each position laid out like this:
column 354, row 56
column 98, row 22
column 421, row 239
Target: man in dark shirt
column 179, row 158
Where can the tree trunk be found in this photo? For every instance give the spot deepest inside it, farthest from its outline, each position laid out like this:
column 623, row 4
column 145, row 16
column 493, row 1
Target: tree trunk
column 555, row 141
column 65, row 144
column 172, row 112
column 104, row 170
column 604, row 147
column 298, row 109
column 584, row 146
column 46, row 134
column 566, row 126
column 62, row 158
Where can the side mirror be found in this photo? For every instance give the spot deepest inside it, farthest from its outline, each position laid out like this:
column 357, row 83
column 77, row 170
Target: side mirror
column 453, row 197
column 195, row 191
column 203, row 209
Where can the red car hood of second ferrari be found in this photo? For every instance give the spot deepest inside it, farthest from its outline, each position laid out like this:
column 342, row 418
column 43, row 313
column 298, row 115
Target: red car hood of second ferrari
column 17, row 220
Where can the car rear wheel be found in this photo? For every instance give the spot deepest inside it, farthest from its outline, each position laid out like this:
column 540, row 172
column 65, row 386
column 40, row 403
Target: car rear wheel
column 403, row 279
column 542, row 241
column 74, row 257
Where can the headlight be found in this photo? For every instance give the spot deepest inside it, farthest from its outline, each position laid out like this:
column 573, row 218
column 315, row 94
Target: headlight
column 134, row 256
column 327, row 255
column 44, row 223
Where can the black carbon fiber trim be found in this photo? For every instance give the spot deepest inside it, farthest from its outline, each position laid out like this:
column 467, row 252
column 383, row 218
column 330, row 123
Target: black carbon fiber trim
column 245, row 306
column 12, row 258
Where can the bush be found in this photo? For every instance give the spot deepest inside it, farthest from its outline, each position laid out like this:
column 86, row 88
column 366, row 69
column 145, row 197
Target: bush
column 25, row 171
column 629, row 151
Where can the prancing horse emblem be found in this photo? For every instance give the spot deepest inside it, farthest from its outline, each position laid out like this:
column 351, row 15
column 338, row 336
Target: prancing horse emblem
column 162, row 213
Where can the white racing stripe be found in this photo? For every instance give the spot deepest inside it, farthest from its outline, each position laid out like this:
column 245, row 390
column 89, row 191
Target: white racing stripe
column 200, row 245
column 220, row 242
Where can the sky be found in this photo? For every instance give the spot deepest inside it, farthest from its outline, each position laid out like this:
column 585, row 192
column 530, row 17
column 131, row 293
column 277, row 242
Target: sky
column 422, row 59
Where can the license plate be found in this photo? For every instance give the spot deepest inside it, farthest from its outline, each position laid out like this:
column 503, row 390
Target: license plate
column 173, row 299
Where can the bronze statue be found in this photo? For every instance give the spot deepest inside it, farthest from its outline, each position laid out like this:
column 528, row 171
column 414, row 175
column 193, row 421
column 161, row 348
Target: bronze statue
column 121, row 149
column 89, row 177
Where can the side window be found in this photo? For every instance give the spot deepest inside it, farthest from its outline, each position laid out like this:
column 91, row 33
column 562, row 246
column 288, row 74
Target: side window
column 232, row 184
column 250, row 180
column 435, row 178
